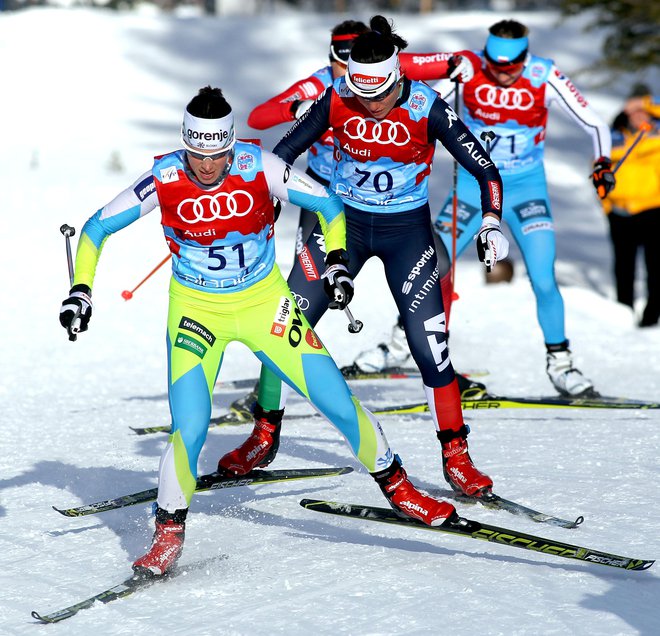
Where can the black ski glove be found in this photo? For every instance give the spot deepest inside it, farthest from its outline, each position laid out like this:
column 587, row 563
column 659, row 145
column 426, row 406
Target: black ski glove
column 76, row 310
column 337, row 280
column 603, row 177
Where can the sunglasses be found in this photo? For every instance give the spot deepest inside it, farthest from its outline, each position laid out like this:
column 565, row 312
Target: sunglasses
column 381, row 96
column 212, row 157
column 508, row 69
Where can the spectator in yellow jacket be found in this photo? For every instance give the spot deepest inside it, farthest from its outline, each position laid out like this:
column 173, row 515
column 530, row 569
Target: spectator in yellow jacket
column 633, row 206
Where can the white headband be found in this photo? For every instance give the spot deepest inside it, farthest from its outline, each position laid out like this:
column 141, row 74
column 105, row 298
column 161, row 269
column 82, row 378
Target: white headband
column 208, row 135
column 368, row 80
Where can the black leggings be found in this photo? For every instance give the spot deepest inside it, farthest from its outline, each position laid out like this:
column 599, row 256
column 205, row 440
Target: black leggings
column 628, row 234
column 404, row 242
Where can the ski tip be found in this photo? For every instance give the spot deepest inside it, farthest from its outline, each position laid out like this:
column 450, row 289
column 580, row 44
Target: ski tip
column 62, row 511
column 150, row 430
column 639, row 564
column 40, row 618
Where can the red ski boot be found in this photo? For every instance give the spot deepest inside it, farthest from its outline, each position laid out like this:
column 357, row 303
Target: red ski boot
column 459, row 471
column 166, row 546
column 258, row 450
column 407, row 501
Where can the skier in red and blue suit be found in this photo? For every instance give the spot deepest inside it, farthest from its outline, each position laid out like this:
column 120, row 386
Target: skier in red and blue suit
column 385, row 128
column 508, row 91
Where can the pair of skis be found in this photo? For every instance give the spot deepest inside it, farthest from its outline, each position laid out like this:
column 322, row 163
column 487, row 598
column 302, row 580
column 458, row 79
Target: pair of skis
column 216, row 481
column 460, row 526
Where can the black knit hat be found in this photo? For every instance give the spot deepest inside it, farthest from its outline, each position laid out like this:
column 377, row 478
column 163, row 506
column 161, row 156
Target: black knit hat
column 640, row 90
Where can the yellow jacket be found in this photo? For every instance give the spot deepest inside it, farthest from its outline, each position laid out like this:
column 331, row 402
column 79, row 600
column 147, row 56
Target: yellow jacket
column 651, row 108
column 638, row 181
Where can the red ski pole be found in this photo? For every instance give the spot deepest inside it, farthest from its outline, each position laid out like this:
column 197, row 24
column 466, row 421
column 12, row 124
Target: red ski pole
column 127, row 295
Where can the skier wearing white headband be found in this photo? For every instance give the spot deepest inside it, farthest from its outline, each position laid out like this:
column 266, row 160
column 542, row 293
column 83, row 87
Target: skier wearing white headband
column 385, row 128
column 508, row 91
column 208, row 137
column 373, row 79
column 215, row 199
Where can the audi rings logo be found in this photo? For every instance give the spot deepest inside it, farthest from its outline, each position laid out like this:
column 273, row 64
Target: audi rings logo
column 506, row 98
column 373, row 131
column 301, row 301
column 219, row 206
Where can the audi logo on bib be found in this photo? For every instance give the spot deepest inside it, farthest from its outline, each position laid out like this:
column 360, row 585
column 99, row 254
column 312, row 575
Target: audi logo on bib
column 506, row 98
column 221, row 206
column 373, row 131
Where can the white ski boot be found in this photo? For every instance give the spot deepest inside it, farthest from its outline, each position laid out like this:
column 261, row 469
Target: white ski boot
column 568, row 380
column 394, row 353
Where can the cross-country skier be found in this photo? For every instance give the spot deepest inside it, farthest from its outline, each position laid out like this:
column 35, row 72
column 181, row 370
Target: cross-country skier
column 215, row 197
column 291, row 104
column 385, row 128
column 508, row 91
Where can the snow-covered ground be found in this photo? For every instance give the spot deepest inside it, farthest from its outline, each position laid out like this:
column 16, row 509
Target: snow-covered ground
column 88, row 98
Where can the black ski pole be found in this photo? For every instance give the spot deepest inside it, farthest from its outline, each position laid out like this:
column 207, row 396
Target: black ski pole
column 488, row 136
column 68, row 232
column 356, row 325
column 644, row 128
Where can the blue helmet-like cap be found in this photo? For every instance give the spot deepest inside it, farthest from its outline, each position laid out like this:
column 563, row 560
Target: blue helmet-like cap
column 506, row 50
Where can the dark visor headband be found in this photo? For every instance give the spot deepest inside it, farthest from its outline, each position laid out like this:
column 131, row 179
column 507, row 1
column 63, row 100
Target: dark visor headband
column 340, row 46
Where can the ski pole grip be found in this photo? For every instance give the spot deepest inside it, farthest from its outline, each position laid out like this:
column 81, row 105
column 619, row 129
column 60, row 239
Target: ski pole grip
column 67, row 230
column 488, row 136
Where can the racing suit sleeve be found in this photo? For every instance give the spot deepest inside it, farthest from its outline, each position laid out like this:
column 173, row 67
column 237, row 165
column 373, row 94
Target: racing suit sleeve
column 424, row 66
column 277, row 110
column 128, row 206
column 446, row 127
column 289, row 184
column 306, row 131
column 562, row 91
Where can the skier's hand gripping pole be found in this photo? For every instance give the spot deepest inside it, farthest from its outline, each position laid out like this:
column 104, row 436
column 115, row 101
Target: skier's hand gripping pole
column 71, row 321
column 490, row 238
column 492, row 245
